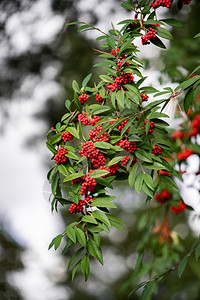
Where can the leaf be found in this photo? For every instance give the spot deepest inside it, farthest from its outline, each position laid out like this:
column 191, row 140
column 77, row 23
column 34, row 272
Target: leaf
column 99, row 173
column 73, row 23
column 188, row 100
column 51, row 148
column 71, row 233
column 80, row 236
column 77, row 102
column 74, row 257
column 172, row 22
column 73, row 176
column 115, row 219
column 168, row 180
column 126, row 6
column 110, row 71
column 148, row 290
column 56, row 138
column 86, row 80
column 55, row 183
column 89, row 219
column 103, row 145
column 94, row 250
column 197, row 35
column 138, row 182
column 98, row 109
column 148, row 90
column 132, row 174
column 85, row 266
column 106, row 78
column 182, row 266
column 56, row 242
column 97, row 239
column 75, row 269
column 149, row 181
column 147, row 190
column 73, row 131
column 104, row 182
column 75, row 86
column 117, row 225
column 115, row 160
column 137, row 288
column 101, row 216
column 63, row 170
column 164, row 33
column 157, row 42
column 197, row 252
column 142, row 155
column 103, row 201
column 185, row 84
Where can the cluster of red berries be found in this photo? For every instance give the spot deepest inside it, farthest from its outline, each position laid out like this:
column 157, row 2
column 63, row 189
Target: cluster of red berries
column 104, row 137
column 99, row 98
column 113, row 169
column 195, row 124
column 149, row 36
column 114, row 51
column 151, row 126
column 125, row 160
column 85, row 121
column 177, row 209
column 66, row 136
column 120, row 63
column 119, row 81
column 184, row 154
column 156, row 150
column 88, row 185
column 76, row 208
column 186, row 1
column 131, row 147
column 163, row 196
column 73, row 181
column 83, row 98
column 112, row 86
column 60, row 156
column 164, row 3
column 89, row 150
column 121, row 126
column 144, row 97
column 178, row 134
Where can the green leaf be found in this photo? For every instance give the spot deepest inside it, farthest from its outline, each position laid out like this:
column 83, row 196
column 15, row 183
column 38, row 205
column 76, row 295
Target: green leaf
column 51, row 148
column 132, row 174
column 143, row 155
column 115, row 219
column 103, row 145
column 134, row 95
column 63, row 170
column 85, row 266
column 106, row 78
column 80, row 236
column 137, row 288
column 138, row 182
column 71, row 233
column 120, row 98
column 188, row 100
column 110, row 71
column 164, row 33
column 73, row 23
column 147, row 190
column 149, row 181
column 157, row 42
column 126, row 5
column 73, row 131
column 197, row 252
column 89, row 219
column 74, row 257
column 117, row 225
column 99, row 173
column 101, row 216
column 148, row 90
column 168, row 181
column 111, row 42
column 97, row 239
column 86, row 80
column 99, row 109
column 104, row 182
column 73, row 176
column 83, row 27
column 103, row 201
column 182, row 266
column 77, row 102
column 56, row 242
column 185, row 84
column 56, row 138
column 146, row 294
column 75, row 86
column 197, row 35
column 115, row 160
column 172, row 22
column 94, row 250
column 75, row 269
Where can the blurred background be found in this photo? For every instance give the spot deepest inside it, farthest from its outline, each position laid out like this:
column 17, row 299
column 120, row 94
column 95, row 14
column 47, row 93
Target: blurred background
column 39, row 58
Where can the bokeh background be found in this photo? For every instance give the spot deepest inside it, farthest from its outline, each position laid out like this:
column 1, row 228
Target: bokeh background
column 39, row 58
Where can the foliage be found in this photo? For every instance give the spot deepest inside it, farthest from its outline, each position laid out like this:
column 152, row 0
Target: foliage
column 119, row 137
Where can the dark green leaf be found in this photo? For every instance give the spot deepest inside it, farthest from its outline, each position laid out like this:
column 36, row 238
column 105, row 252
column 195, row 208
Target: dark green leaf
column 73, row 176
column 182, row 266
column 75, row 86
column 197, row 35
column 51, row 148
column 132, row 174
column 188, row 100
column 94, row 250
column 75, row 269
column 56, row 242
column 138, row 182
column 99, row 173
column 85, row 266
column 99, row 215
column 146, row 294
column 164, row 33
column 80, row 236
column 86, row 80
column 74, row 257
column 157, row 42
column 197, row 252
column 89, row 219
column 77, row 102
column 172, row 22
column 106, row 78
column 71, row 233
column 115, row 160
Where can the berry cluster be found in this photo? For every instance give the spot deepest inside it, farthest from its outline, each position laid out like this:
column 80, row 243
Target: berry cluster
column 89, row 150
column 120, row 63
column 83, row 98
column 84, row 119
column 131, row 147
column 125, row 160
column 186, row 1
column 184, row 154
column 112, row 86
column 151, row 126
column 66, row 136
column 99, row 98
column 121, row 126
column 104, row 137
column 114, row 51
column 73, row 181
column 164, row 3
column 60, row 156
column 112, row 169
column 156, row 150
column 177, row 209
column 149, row 36
column 95, row 120
column 195, row 124
column 119, row 81
column 144, row 97
column 76, row 208
column 88, row 185
column 163, row 196
column 178, row 134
